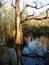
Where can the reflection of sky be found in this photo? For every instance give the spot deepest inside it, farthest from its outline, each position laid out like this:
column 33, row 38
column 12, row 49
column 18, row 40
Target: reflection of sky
column 35, row 47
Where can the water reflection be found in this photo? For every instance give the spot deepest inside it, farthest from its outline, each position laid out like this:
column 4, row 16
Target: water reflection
column 38, row 48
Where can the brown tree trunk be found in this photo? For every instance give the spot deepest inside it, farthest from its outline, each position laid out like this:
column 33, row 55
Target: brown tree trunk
column 19, row 34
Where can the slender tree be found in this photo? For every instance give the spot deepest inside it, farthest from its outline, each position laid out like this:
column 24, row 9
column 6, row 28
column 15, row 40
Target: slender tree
column 19, row 34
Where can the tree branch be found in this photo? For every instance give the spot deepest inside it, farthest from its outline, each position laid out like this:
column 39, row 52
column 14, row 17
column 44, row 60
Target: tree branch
column 13, row 5
column 28, row 6
column 32, row 7
column 36, row 6
column 30, row 17
column 23, row 9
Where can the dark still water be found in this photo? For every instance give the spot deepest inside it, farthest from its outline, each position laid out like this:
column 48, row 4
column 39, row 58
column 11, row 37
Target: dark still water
column 35, row 52
column 33, row 61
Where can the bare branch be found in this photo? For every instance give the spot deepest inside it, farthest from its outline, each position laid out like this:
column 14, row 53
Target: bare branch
column 23, row 10
column 13, row 5
column 33, row 7
column 42, row 6
column 30, row 17
column 28, row 6
column 36, row 6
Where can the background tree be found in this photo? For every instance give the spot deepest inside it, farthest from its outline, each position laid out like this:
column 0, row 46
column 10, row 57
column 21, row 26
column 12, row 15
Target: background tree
column 7, row 21
column 19, row 34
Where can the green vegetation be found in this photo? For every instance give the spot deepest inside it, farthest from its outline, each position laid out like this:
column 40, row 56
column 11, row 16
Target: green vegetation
column 42, row 30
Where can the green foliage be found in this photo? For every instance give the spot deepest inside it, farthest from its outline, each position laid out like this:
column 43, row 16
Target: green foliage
column 7, row 22
column 42, row 30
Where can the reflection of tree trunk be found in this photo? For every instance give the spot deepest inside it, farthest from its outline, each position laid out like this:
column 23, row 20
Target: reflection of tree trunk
column 18, row 40
column 19, row 54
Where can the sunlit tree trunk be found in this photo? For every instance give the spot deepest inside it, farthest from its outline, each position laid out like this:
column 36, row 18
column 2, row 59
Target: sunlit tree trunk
column 19, row 34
